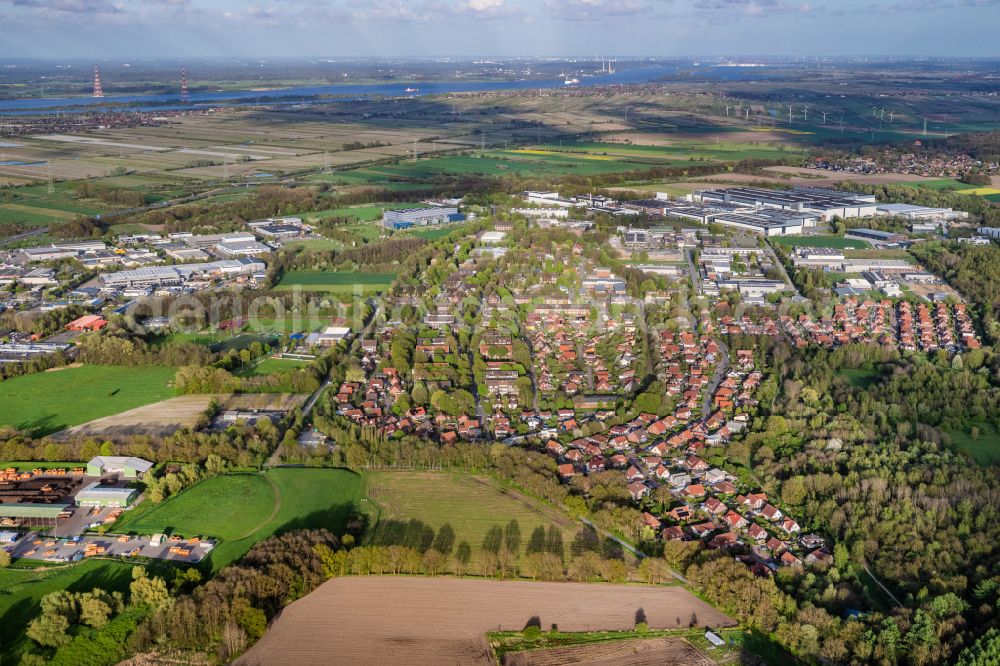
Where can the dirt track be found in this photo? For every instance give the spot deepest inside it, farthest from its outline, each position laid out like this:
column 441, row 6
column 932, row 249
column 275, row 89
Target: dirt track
column 648, row 652
column 417, row 620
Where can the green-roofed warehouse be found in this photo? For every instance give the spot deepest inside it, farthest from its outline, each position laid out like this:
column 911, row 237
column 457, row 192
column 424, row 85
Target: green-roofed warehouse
column 32, row 514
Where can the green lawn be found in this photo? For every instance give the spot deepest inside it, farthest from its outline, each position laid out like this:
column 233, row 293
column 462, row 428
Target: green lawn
column 271, row 365
column 313, row 244
column 363, row 213
column 242, row 510
column 335, row 282
column 434, row 233
column 838, row 242
column 985, row 449
column 859, row 377
column 471, row 505
column 46, row 402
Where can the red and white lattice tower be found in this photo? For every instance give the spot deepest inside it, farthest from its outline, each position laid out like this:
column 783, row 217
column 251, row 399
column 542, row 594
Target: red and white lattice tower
column 98, row 92
column 185, row 95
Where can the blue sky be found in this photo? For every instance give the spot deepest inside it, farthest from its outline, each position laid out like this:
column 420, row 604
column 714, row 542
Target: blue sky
column 332, row 28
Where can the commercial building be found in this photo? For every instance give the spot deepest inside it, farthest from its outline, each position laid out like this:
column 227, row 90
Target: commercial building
column 823, row 203
column 87, row 323
column 242, row 248
column 875, row 236
column 211, row 240
column 96, row 494
column 19, row 352
column 281, row 227
column 128, row 467
column 912, row 212
column 989, row 232
column 767, row 223
column 420, row 217
column 154, row 276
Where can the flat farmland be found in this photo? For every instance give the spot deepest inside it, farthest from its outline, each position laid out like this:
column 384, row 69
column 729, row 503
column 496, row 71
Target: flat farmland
column 444, row 620
column 158, row 419
column 639, row 652
column 437, row 499
column 335, row 282
column 46, row 402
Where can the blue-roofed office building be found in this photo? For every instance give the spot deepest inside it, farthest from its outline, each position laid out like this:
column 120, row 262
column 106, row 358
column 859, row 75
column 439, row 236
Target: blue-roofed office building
column 420, row 217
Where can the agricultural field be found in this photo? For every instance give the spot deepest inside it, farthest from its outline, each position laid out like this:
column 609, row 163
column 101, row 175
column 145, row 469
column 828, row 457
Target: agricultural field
column 335, row 282
column 838, row 242
column 438, row 499
column 45, row 402
column 158, row 419
column 445, row 620
column 242, row 510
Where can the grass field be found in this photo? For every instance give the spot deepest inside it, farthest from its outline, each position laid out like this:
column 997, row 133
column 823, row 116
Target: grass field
column 471, row 505
column 435, row 233
column 985, row 449
column 333, row 282
column 45, row 402
column 363, row 213
column 21, row 590
column 242, row 510
column 271, row 365
column 859, row 377
column 838, row 242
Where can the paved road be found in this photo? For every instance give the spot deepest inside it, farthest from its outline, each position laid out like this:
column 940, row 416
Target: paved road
column 720, row 373
column 27, row 234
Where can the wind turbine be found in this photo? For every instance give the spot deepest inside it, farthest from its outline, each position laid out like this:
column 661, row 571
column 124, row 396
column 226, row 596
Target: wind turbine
column 925, row 126
column 891, row 114
column 748, row 113
column 805, row 113
column 789, row 114
column 824, row 117
column 882, row 116
column 727, row 112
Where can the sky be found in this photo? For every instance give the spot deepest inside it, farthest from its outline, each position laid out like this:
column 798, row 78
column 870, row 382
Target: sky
column 340, row 28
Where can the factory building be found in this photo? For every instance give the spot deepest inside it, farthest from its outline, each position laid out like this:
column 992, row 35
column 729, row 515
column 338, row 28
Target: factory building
column 876, row 237
column 825, row 204
column 912, row 212
column 157, row 276
column 128, row 467
column 96, row 494
column 420, row 217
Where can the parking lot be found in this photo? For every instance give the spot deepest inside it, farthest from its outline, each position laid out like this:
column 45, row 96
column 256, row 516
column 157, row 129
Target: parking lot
column 50, row 549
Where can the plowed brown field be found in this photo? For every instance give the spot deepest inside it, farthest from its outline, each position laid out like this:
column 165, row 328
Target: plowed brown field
column 409, row 620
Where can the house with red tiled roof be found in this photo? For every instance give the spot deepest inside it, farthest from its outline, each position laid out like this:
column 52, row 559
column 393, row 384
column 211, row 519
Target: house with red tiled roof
column 714, row 506
column 735, row 520
column 756, row 532
column 702, row 529
column 675, row 533
column 638, row 489
column 695, row 490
